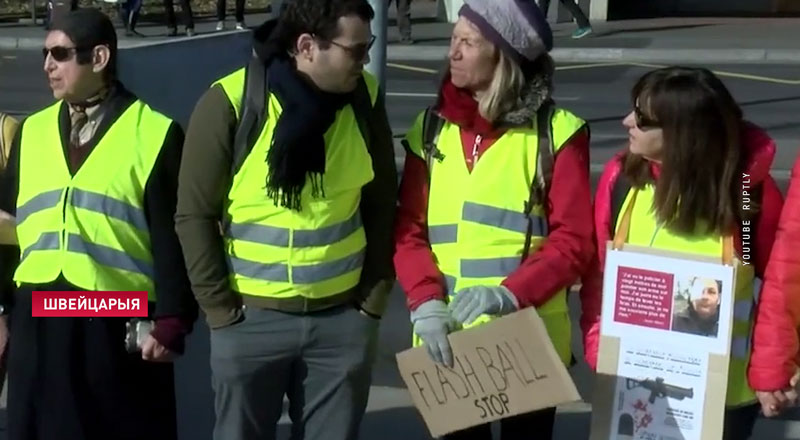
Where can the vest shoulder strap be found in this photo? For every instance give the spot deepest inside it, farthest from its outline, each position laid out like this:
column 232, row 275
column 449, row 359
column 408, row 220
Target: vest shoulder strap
column 619, row 192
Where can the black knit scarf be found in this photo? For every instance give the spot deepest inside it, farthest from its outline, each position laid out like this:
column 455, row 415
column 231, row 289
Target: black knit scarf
column 297, row 152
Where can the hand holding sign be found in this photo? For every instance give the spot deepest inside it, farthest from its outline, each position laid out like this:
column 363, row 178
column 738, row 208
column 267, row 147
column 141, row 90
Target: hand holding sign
column 505, row 367
column 432, row 323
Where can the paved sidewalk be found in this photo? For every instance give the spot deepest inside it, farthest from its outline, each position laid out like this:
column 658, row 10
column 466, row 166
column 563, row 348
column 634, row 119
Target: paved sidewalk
column 665, row 40
column 711, row 40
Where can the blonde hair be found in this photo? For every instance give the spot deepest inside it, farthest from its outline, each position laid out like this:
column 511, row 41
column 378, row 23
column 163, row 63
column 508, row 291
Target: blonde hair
column 504, row 90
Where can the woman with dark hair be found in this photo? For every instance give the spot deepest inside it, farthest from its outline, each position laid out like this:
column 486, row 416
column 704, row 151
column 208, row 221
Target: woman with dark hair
column 696, row 175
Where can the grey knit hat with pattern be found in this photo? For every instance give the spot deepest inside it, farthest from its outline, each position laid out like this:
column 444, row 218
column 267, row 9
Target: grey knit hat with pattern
column 517, row 27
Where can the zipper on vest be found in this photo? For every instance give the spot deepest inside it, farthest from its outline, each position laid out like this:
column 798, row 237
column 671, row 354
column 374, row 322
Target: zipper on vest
column 64, row 218
column 475, row 145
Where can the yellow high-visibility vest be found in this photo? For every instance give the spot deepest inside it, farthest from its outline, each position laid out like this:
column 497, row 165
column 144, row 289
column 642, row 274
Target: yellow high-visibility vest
column 476, row 221
column 645, row 230
column 314, row 253
column 90, row 227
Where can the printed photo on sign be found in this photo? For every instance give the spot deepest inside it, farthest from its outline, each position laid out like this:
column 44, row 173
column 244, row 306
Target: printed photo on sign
column 682, row 302
column 696, row 306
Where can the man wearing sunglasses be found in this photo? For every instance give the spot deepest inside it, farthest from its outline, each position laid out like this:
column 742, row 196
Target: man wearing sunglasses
column 294, row 287
column 92, row 181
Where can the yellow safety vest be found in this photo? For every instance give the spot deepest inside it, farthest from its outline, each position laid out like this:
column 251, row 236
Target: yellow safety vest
column 476, row 221
column 281, row 253
column 91, row 227
column 646, row 231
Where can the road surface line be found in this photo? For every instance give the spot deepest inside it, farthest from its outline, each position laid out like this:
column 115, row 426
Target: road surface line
column 723, row 73
column 412, row 68
column 588, row 66
column 570, row 67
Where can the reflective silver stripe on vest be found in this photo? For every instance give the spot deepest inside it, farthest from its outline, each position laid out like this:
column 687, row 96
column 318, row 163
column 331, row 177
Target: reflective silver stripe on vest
column 450, row 284
column 269, row 272
column 742, row 309
column 40, row 202
column 739, row 346
column 488, row 267
column 108, row 256
column 49, row 241
column 276, row 236
column 259, row 234
column 327, row 235
column 441, row 234
column 502, row 218
column 110, row 207
column 308, row 274
column 314, row 273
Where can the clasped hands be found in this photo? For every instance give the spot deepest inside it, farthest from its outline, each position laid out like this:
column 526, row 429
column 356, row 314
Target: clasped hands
column 775, row 402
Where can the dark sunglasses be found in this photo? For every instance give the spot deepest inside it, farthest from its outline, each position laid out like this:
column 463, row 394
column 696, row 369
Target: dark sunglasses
column 61, row 53
column 643, row 122
column 359, row 51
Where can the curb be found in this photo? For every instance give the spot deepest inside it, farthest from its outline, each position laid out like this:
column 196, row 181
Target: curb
column 563, row 55
column 610, row 54
column 28, row 43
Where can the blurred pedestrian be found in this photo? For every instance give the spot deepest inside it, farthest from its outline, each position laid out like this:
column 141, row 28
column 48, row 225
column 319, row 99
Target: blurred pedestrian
column 129, row 15
column 239, row 14
column 584, row 26
column 679, row 187
column 172, row 22
column 495, row 203
column 92, row 180
column 403, row 20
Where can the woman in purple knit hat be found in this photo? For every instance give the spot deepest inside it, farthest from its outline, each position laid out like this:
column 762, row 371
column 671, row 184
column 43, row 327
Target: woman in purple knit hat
column 495, row 208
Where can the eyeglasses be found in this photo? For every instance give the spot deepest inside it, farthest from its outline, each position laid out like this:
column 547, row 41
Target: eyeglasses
column 643, row 122
column 61, row 53
column 357, row 51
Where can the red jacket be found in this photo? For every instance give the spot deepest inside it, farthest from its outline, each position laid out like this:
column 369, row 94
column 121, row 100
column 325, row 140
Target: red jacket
column 775, row 340
column 559, row 262
column 761, row 151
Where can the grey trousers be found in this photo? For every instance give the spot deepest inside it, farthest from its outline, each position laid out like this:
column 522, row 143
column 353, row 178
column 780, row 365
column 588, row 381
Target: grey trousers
column 321, row 361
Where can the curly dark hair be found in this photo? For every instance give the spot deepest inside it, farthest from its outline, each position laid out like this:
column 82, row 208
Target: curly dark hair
column 319, row 18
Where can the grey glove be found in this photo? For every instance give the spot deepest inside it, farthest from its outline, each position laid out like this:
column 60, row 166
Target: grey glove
column 472, row 302
column 432, row 323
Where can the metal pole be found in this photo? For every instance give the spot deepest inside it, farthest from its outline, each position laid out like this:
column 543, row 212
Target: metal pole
column 377, row 55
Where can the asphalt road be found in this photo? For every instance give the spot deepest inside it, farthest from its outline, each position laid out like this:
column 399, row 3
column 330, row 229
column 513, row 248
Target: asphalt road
column 600, row 93
column 172, row 77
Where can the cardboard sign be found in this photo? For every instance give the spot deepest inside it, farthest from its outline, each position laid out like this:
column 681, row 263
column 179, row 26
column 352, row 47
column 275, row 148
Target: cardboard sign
column 665, row 339
column 503, row 368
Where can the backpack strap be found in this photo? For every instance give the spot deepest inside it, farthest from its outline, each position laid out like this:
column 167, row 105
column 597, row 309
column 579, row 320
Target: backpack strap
column 362, row 108
column 253, row 115
column 544, row 169
column 432, row 125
